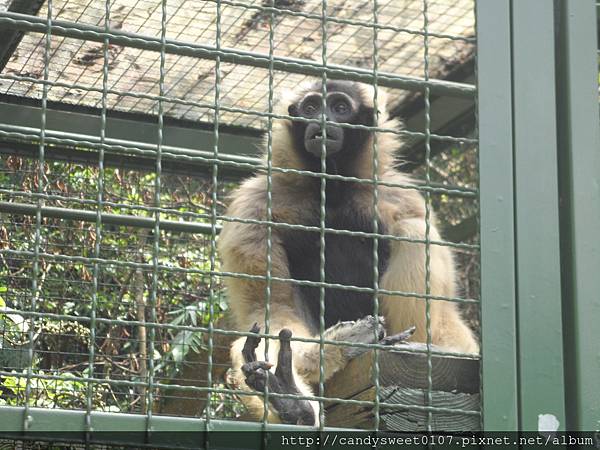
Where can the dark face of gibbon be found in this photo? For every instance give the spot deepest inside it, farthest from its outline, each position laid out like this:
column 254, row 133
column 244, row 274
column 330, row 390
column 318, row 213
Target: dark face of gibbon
column 343, row 104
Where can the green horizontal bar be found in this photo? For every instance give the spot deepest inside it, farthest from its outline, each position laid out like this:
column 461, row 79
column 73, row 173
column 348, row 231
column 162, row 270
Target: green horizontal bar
column 112, row 219
column 237, row 391
column 118, row 37
column 51, row 421
column 89, row 157
column 131, row 141
column 451, row 112
column 77, row 146
column 123, row 129
column 125, row 149
column 470, row 223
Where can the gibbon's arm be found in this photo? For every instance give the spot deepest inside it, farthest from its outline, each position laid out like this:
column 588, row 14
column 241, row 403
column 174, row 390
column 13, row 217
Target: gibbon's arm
column 406, row 272
column 243, row 250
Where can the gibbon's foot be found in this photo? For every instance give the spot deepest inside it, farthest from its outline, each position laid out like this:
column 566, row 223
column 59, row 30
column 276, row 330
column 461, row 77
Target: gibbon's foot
column 290, row 410
column 397, row 338
column 368, row 330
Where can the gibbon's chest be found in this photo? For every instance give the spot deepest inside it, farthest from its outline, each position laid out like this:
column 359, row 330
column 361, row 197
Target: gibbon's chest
column 348, row 261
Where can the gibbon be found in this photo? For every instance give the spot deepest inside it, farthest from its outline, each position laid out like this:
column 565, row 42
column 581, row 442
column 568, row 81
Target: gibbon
column 295, row 253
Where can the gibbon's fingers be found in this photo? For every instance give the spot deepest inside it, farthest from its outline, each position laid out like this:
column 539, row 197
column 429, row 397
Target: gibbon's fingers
column 284, row 358
column 397, row 338
column 290, row 410
column 256, row 365
column 248, row 352
column 257, row 375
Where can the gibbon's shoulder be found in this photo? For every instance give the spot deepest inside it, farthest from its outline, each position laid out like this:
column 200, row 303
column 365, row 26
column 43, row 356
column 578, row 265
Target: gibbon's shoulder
column 248, row 200
column 402, row 196
column 289, row 203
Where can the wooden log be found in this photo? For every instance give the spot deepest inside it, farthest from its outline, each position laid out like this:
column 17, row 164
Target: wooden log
column 403, row 381
column 399, row 419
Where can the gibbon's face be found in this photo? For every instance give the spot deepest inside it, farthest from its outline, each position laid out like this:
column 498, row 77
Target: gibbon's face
column 343, row 104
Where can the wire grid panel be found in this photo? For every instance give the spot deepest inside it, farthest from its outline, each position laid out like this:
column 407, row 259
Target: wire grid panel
column 102, row 316
column 297, row 33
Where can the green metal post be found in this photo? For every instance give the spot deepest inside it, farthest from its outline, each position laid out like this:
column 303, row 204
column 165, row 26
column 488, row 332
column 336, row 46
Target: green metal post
column 498, row 309
column 579, row 165
column 541, row 382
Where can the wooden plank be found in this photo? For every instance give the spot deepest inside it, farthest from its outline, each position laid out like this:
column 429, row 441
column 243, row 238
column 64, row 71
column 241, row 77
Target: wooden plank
column 349, row 415
column 407, row 370
column 10, row 39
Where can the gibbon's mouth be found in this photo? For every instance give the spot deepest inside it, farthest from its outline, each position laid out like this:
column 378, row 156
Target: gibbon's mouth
column 333, row 143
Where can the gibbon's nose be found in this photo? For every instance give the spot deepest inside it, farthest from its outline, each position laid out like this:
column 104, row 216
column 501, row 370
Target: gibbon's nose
column 313, row 140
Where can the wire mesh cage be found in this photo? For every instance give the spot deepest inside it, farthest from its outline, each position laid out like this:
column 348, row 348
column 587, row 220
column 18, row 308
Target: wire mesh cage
column 125, row 126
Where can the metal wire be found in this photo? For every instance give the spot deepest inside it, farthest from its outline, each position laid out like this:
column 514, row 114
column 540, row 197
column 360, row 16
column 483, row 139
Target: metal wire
column 330, row 19
column 93, row 33
column 98, row 230
column 269, row 249
column 180, row 226
column 441, row 138
column 375, row 173
column 322, row 212
column 197, row 25
column 427, row 218
column 38, row 226
column 213, row 221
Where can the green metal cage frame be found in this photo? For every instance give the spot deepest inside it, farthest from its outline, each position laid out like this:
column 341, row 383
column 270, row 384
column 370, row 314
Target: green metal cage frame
column 537, row 111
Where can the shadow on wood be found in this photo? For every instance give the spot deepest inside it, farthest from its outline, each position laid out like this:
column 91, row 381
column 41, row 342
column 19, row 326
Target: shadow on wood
column 403, row 381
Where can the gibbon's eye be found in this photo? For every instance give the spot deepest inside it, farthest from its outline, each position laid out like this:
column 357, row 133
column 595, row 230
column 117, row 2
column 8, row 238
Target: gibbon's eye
column 310, row 108
column 341, row 107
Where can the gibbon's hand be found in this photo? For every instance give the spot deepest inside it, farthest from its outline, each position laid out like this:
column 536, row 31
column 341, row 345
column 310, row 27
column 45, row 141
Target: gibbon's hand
column 290, row 410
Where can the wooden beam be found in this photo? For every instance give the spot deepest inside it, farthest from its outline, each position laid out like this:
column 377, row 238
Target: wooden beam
column 10, row 38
